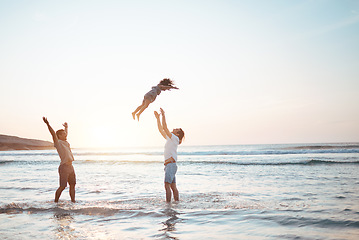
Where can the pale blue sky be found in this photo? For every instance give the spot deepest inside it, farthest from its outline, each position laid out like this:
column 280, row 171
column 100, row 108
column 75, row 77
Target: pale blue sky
column 248, row 71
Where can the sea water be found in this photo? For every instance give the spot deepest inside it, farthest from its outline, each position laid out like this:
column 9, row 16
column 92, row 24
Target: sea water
column 303, row 191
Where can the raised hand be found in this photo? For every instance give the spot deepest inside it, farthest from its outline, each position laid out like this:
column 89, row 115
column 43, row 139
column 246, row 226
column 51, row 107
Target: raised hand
column 65, row 125
column 162, row 111
column 45, row 120
column 53, row 134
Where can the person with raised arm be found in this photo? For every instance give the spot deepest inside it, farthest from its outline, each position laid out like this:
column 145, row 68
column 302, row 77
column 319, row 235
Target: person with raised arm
column 66, row 170
column 173, row 138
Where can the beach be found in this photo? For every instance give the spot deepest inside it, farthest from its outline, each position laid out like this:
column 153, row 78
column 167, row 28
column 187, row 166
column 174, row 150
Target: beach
column 282, row 191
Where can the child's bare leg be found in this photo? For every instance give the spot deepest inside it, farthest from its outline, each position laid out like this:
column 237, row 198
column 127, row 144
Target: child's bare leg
column 72, row 193
column 137, row 109
column 58, row 193
column 144, row 106
column 175, row 191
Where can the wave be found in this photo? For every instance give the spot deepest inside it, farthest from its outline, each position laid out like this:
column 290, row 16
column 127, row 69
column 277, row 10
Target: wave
column 196, row 153
column 60, row 210
column 235, row 150
column 239, row 162
column 265, row 152
column 307, row 221
column 305, row 163
column 314, row 162
column 205, row 204
column 316, row 147
column 153, row 206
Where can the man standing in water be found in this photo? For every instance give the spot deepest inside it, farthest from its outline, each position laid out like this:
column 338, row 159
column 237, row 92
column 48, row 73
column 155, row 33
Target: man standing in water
column 66, row 170
column 173, row 139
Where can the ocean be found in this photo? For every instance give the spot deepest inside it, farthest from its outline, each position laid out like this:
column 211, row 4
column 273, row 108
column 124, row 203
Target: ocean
column 291, row 191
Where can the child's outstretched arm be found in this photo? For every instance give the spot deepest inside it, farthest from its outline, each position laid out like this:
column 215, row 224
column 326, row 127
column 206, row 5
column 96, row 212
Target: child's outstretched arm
column 164, row 124
column 53, row 134
column 159, row 125
column 163, row 87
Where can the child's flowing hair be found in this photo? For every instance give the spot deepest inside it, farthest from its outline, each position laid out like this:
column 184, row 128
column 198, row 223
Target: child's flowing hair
column 167, row 82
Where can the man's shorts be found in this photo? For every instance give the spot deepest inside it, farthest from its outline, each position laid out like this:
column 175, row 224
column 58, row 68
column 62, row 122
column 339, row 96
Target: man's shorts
column 67, row 175
column 170, row 173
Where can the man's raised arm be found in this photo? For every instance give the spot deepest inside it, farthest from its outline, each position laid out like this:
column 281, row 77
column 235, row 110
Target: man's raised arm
column 164, row 124
column 159, row 125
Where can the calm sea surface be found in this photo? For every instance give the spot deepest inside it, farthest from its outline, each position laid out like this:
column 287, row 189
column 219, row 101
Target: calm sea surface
column 226, row 192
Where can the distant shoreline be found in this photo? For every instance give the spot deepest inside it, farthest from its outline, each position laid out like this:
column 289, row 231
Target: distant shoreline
column 13, row 143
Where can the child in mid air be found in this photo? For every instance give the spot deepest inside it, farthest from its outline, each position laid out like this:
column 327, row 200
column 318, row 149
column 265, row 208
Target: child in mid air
column 165, row 84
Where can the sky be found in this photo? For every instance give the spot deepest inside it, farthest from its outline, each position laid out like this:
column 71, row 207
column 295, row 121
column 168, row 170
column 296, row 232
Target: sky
column 248, row 71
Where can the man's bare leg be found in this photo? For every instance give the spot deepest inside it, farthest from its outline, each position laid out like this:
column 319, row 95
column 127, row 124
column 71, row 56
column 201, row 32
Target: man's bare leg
column 168, row 192
column 175, row 191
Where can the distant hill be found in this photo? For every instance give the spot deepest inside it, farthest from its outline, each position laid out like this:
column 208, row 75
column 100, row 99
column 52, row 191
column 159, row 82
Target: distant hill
column 8, row 143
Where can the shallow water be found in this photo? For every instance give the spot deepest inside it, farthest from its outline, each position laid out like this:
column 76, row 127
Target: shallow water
column 226, row 192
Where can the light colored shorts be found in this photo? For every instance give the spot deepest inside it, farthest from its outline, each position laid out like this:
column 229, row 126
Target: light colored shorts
column 170, row 173
column 67, row 175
